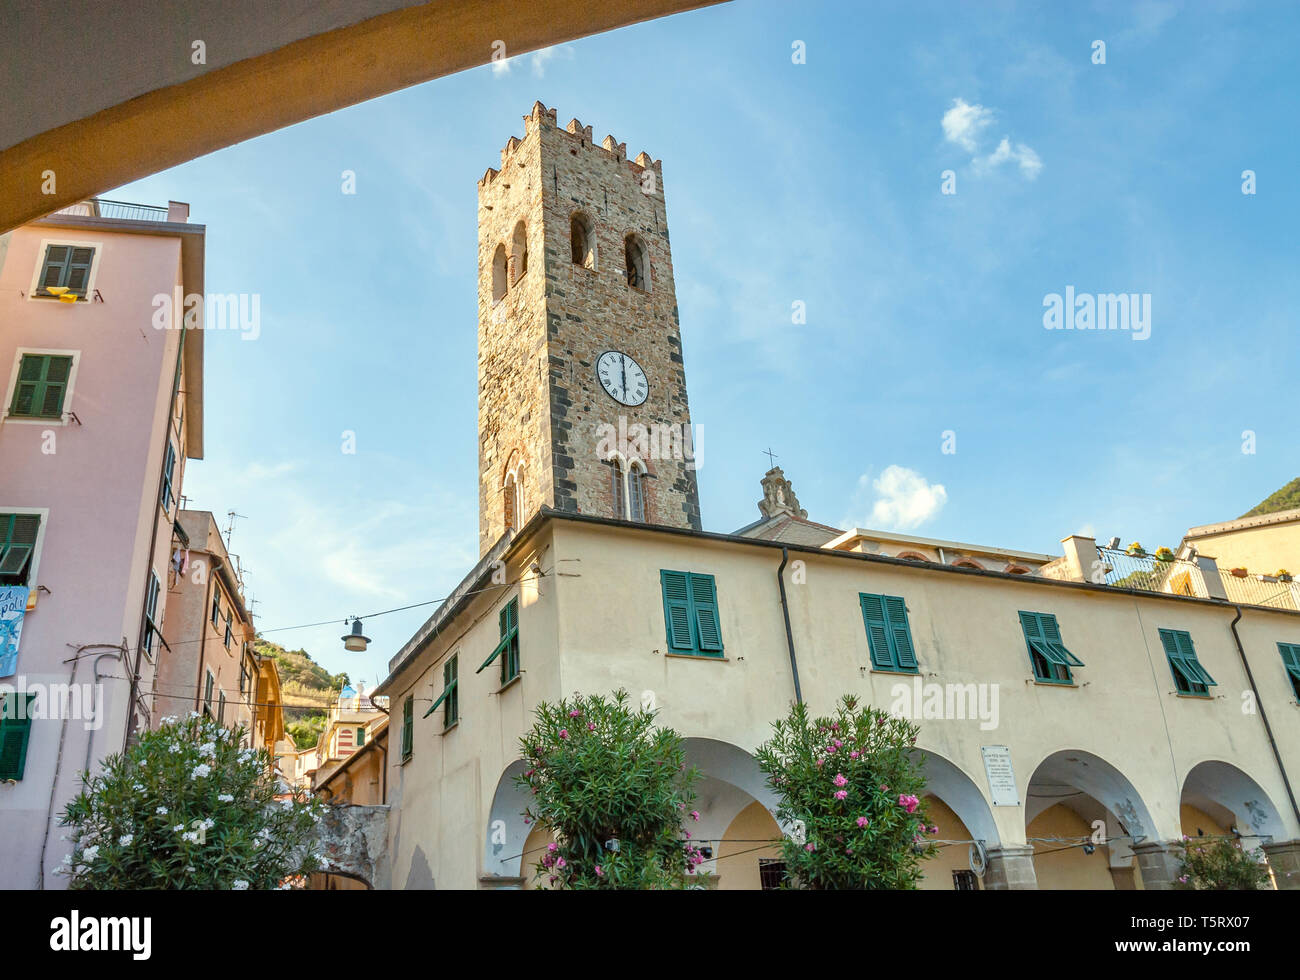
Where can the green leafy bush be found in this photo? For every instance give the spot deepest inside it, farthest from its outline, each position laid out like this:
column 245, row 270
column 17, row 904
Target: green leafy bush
column 851, row 788
column 186, row 808
column 615, row 791
column 1221, row 864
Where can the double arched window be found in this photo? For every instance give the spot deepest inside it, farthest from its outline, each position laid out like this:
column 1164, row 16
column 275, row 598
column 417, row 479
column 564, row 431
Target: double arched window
column 628, row 490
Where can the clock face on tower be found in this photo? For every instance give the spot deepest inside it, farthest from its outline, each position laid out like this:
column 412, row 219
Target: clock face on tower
column 622, row 378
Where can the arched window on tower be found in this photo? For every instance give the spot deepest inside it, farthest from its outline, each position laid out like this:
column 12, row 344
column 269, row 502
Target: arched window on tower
column 584, row 240
column 636, row 493
column 616, row 467
column 638, row 267
column 518, row 252
column 512, row 499
column 500, row 281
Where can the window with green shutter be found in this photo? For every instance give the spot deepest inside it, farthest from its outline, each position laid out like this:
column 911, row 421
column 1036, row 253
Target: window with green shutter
column 216, row 607
column 361, row 737
column 408, row 727
column 889, row 636
column 151, row 613
column 207, row 694
column 450, row 697
column 230, row 624
column 17, row 546
column 66, row 265
column 169, row 471
column 1291, row 661
column 221, row 707
column 1189, row 676
column 15, row 731
column 1050, row 659
column 42, row 385
column 508, row 646
column 691, row 617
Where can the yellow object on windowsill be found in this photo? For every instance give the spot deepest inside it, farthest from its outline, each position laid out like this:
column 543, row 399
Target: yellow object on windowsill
column 62, row 293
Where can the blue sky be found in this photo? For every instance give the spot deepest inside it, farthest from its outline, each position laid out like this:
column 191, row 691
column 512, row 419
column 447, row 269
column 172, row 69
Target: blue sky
column 816, row 182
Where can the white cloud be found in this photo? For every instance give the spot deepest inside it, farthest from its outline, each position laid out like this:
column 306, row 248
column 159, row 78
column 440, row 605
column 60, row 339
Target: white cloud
column 540, row 59
column 1022, row 155
column 501, row 66
column 903, row 498
column 963, row 123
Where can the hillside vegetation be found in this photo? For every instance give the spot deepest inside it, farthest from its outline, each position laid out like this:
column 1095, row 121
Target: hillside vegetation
column 307, row 688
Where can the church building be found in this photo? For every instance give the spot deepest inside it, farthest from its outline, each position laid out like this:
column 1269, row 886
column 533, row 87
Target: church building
column 1077, row 716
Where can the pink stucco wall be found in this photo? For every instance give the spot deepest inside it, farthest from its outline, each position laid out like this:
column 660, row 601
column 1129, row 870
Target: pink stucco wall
column 100, row 487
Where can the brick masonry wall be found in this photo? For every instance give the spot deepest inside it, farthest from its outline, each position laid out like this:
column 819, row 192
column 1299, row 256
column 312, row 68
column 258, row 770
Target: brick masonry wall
column 538, row 391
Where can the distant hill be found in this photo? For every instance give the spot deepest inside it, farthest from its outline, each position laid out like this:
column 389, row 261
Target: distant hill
column 307, row 688
column 1288, row 498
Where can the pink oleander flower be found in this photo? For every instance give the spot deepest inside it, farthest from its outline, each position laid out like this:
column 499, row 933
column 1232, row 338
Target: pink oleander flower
column 934, row 829
column 854, row 754
column 839, row 779
column 599, row 873
column 554, row 879
column 810, row 847
column 688, row 835
column 575, row 713
column 863, row 821
column 837, row 743
column 841, row 794
column 591, row 726
column 695, row 814
column 819, row 763
column 848, row 850
column 830, row 750
column 835, row 726
column 564, row 733
column 1182, row 879
column 559, row 863
column 884, row 788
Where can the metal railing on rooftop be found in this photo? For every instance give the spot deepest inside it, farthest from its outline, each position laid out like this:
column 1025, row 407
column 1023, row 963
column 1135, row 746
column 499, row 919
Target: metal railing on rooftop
column 1150, row 574
column 1260, row 590
column 98, row 207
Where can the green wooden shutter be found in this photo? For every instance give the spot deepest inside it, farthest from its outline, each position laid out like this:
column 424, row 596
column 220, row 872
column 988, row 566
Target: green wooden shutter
column 15, row 733
column 79, row 270
column 57, row 370
column 169, row 469
column 408, row 727
column 56, row 266
column 677, row 610
column 900, row 633
column 1052, row 636
column 31, row 377
column 17, row 543
column 704, row 604
column 873, row 615
column 1191, row 662
column 1291, row 661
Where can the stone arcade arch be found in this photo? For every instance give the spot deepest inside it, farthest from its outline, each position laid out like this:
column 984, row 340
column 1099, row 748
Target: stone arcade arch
column 1230, row 798
column 963, row 813
column 1074, row 794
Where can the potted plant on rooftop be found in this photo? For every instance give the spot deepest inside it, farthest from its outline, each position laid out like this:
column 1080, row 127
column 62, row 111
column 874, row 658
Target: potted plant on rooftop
column 1136, row 550
column 1164, row 554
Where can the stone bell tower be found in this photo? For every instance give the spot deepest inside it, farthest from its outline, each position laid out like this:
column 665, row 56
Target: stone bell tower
column 582, row 391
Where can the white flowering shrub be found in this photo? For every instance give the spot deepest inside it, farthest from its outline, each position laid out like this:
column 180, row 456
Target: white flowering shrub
column 186, row 807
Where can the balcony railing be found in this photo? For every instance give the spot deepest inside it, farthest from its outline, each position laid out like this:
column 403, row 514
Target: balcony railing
column 98, row 207
column 1260, row 590
column 1148, row 573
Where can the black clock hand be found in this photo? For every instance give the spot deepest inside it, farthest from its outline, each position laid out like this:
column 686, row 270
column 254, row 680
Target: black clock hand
column 623, row 358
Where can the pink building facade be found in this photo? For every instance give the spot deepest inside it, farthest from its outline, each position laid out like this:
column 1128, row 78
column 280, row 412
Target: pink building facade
column 103, row 404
